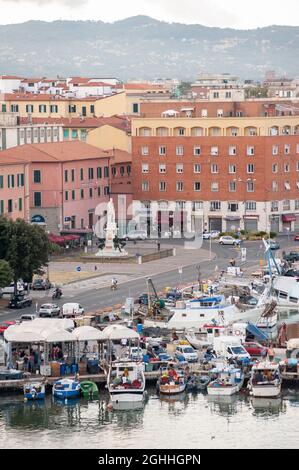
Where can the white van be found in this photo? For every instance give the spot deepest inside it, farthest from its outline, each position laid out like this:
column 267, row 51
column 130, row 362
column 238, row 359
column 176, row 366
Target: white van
column 72, row 309
column 230, row 347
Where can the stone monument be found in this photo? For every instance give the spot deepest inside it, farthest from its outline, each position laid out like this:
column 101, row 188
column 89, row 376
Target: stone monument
column 111, row 232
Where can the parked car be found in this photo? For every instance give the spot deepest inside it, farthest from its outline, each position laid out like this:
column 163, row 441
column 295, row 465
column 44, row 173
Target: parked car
column 49, row 310
column 255, row 349
column 136, row 235
column 274, row 245
column 291, row 273
column 211, row 234
column 248, row 300
column 11, row 288
column 136, row 353
column 296, row 237
column 41, row 284
column 5, row 325
column 27, row 317
column 186, row 353
column 20, row 301
column 228, row 240
column 292, row 256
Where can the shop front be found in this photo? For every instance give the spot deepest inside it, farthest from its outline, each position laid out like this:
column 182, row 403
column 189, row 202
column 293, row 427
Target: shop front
column 288, row 222
column 232, row 223
column 251, row 223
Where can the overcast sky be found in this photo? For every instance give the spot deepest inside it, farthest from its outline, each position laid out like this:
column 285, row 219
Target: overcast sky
column 224, row 13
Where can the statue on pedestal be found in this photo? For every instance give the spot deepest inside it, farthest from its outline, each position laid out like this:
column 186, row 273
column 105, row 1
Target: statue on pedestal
column 113, row 245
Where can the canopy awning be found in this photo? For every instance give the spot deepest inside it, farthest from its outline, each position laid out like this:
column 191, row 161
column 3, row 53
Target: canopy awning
column 118, row 332
column 89, row 333
column 289, row 218
column 17, row 334
column 232, row 218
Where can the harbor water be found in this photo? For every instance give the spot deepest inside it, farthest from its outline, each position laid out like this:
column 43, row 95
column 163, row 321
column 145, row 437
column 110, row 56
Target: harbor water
column 186, row 421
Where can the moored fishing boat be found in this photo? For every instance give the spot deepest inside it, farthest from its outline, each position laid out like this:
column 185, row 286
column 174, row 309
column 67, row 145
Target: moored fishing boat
column 126, row 381
column 66, row 388
column 229, row 381
column 34, row 391
column 171, row 381
column 265, row 380
column 88, row 389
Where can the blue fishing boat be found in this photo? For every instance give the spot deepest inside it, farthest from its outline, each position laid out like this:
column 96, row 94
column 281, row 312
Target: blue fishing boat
column 34, row 391
column 66, row 388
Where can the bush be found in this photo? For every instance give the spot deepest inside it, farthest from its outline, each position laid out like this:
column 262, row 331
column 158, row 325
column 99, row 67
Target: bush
column 273, row 234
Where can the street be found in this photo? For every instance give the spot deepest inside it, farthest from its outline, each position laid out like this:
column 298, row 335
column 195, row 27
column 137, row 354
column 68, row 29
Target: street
column 93, row 299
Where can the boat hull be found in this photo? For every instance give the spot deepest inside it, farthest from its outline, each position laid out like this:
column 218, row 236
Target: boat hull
column 223, row 391
column 37, row 396
column 66, row 393
column 262, row 391
column 30, row 392
column 169, row 389
column 127, row 396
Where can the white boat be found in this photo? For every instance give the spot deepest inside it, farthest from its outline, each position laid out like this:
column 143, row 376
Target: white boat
column 229, row 381
column 171, row 381
column 265, row 380
column 126, row 381
column 285, row 291
column 66, row 388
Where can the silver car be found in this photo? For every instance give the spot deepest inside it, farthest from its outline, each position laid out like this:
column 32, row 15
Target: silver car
column 49, row 310
column 228, row 240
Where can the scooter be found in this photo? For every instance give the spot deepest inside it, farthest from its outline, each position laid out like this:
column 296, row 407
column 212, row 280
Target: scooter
column 56, row 295
column 113, row 286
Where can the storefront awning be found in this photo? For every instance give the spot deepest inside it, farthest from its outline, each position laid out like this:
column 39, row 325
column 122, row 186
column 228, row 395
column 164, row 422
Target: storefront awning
column 232, row 218
column 288, row 218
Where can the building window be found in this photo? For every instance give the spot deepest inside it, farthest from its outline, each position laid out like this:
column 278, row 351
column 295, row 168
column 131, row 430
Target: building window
column 83, row 133
column 20, row 204
column 287, row 168
column 286, row 205
column 197, row 168
column 81, row 174
column 29, row 108
column 90, row 173
column 162, row 186
column 53, row 108
column 66, row 133
column 214, row 187
column 274, row 206
column 66, row 176
column 66, row 195
column 287, row 186
column 274, row 149
column 122, row 171
column 74, row 134
column 92, row 108
column 144, row 168
column 106, row 171
column 10, row 181
column 1, row 181
column 232, row 169
column 197, row 205
column 14, row 108
column 90, row 192
column 145, row 186
column 197, row 186
column 99, row 191
column 214, row 168
column 296, row 204
column 37, row 199
column 1, row 207
column 72, row 108
column 179, row 168
column 250, row 205
column 181, row 131
column 215, row 206
column 81, row 193
column 250, row 150
column 9, row 205
column 42, row 108
column 216, row 94
column 274, row 186
column 179, row 150
column 135, row 107
column 179, row 186
column 232, row 150
column 232, row 186
column 219, row 112
column 287, row 149
column 162, row 150
column 144, row 150
column 162, row 168
column 73, row 195
column 99, row 172
column 250, row 168
column 250, row 186
column 274, row 168
column 204, row 113
column 214, row 150
column 233, row 207
column 228, row 94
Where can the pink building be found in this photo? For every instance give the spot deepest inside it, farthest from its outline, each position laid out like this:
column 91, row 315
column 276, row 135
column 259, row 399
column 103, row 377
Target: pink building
column 63, row 183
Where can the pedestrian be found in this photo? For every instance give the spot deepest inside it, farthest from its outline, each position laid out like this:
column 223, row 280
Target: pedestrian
column 158, row 245
column 232, row 262
column 271, row 353
column 95, row 268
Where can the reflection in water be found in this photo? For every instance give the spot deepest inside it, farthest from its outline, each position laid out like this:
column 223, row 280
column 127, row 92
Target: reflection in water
column 208, row 420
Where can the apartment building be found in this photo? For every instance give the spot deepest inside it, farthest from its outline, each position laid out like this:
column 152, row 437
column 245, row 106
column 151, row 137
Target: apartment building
column 60, row 184
column 241, row 172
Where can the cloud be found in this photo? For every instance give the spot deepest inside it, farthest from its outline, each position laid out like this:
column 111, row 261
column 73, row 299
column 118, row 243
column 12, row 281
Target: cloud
column 68, row 3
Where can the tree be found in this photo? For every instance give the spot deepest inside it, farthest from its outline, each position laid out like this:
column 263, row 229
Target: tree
column 26, row 250
column 6, row 273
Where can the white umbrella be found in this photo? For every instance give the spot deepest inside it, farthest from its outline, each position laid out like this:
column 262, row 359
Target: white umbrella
column 117, row 332
column 58, row 336
column 21, row 334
